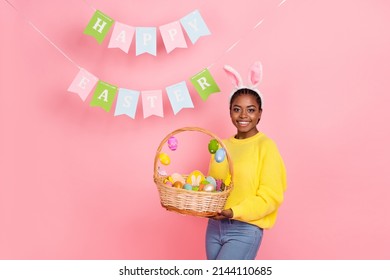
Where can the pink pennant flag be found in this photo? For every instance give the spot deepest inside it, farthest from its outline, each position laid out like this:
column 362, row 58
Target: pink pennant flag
column 152, row 103
column 122, row 36
column 83, row 84
column 172, row 35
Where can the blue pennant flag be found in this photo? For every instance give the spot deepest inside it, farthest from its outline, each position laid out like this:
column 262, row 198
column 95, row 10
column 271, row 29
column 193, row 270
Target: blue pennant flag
column 146, row 40
column 179, row 97
column 127, row 102
column 195, row 26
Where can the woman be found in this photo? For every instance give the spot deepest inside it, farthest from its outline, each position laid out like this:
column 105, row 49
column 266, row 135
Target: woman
column 259, row 178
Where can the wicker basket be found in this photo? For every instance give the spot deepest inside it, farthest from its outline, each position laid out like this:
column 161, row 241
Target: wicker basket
column 195, row 203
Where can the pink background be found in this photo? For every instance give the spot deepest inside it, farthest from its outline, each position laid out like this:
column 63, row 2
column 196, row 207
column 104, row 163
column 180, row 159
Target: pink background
column 76, row 182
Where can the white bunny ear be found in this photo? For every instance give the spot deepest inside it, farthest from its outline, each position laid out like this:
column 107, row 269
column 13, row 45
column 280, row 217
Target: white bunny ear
column 234, row 76
column 256, row 73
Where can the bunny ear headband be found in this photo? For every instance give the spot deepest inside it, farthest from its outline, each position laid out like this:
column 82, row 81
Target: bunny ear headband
column 254, row 78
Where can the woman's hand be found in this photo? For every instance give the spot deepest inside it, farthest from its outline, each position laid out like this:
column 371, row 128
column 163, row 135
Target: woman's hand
column 224, row 214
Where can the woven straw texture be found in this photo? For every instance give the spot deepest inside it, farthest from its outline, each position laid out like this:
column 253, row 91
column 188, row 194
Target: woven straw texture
column 188, row 202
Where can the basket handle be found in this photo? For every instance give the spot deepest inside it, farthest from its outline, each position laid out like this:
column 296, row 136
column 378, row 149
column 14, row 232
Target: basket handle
column 230, row 163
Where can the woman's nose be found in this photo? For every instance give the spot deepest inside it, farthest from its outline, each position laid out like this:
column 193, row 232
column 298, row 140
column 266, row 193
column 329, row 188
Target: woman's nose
column 243, row 113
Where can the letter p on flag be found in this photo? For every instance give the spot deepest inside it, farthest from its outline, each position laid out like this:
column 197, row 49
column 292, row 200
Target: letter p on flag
column 204, row 84
column 98, row 26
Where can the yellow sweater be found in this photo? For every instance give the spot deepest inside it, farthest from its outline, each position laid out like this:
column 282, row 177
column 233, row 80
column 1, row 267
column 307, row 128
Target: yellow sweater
column 259, row 179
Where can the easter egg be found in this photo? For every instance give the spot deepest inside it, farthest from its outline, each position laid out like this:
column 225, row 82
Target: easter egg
column 195, row 188
column 211, row 180
column 178, row 185
column 178, row 177
column 219, row 185
column 164, row 158
column 187, row 187
column 194, row 178
column 220, row 155
column 172, row 143
column 213, row 146
column 209, row 188
column 202, row 184
column 161, row 171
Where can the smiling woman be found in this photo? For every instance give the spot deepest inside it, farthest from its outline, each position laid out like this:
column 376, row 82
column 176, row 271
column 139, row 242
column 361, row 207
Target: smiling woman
column 237, row 231
column 245, row 112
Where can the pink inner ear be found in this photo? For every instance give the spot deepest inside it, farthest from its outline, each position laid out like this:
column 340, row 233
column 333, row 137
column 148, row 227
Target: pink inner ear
column 233, row 76
column 255, row 73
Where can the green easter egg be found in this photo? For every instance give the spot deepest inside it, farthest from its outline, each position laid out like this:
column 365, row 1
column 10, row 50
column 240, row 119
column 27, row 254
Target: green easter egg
column 213, row 146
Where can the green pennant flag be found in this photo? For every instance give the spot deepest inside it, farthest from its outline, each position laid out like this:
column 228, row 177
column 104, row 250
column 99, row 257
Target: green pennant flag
column 204, row 84
column 104, row 95
column 98, row 26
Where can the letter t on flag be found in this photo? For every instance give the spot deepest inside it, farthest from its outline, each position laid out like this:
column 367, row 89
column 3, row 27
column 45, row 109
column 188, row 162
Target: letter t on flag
column 98, row 26
column 204, row 84
column 152, row 103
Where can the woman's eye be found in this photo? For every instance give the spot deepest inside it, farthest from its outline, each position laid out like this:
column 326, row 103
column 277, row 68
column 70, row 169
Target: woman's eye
column 236, row 110
column 251, row 110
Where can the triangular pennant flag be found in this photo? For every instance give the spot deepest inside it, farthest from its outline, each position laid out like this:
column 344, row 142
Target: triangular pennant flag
column 204, row 84
column 173, row 37
column 179, row 97
column 104, row 95
column 98, row 26
column 152, row 103
column 83, row 84
column 127, row 102
column 121, row 37
column 146, row 40
column 195, row 26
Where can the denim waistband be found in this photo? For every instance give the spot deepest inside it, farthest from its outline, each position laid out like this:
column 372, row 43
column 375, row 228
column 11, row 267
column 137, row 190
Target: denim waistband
column 232, row 221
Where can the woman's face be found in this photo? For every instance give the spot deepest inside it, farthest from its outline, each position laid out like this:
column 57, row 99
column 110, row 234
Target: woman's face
column 245, row 114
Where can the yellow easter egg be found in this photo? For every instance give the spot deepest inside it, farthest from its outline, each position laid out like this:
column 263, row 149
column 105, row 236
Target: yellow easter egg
column 195, row 178
column 164, row 158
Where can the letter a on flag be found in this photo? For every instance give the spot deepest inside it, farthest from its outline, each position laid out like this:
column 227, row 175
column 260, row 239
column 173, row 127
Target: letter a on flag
column 98, row 26
column 204, row 84
column 103, row 96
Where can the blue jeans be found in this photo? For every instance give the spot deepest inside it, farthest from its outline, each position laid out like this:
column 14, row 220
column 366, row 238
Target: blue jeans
column 232, row 240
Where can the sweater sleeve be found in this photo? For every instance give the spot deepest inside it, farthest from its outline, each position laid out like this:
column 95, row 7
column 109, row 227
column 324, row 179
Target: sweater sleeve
column 270, row 192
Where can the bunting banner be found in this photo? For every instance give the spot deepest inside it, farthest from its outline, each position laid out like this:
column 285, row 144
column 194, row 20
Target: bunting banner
column 204, row 84
column 195, row 26
column 179, row 96
column 121, row 37
column 104, row 95
column 146, row 37
column 173, row 36
column 152, row 103
column 146, row 40
column 152, row 100
column 127, row 102
column 83, row 83
column 98, row 26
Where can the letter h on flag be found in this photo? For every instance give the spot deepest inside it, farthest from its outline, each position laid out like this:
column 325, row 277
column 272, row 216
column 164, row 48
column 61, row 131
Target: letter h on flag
column 98, row 26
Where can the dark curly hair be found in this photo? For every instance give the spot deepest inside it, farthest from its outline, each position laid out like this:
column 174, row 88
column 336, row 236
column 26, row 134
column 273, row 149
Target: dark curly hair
column 242, row 91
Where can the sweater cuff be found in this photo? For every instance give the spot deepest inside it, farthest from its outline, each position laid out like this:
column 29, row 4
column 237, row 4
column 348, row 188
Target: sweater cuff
column 237, row 211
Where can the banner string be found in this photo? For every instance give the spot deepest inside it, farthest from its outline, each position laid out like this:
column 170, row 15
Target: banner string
column 68, row 58
column 43, row 35
column 92, row 7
